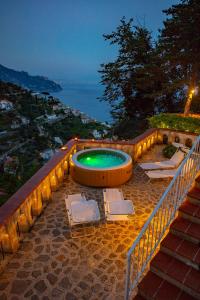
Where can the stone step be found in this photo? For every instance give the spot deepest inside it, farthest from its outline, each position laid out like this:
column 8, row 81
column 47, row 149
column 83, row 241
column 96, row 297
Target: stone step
column 190, row 212
column 194, row 195
column 138, row 297
column 153, row 287
column 176, row 273
column 197, row 182
column 181, row 249
column 186, row 229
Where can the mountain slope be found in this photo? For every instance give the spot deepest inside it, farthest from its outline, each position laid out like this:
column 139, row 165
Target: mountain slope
column 35, row 83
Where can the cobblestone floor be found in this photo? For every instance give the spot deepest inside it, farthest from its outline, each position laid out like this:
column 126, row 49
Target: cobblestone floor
column 50, row 265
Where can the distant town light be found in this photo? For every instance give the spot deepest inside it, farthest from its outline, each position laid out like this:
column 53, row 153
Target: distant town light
column 76, row 139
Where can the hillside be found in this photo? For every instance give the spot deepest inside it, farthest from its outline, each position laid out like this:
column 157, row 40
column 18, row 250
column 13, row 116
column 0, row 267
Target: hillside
column 23, row 79
column 33, row 127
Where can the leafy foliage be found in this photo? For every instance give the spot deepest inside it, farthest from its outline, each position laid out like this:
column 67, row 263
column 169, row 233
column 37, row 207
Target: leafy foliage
column 11, row 183
column 179, row 45
column 169, row 151
column 150, row 77
column 129, row 84
column 129, row 128
column 180, row 41
column 34, row 136
column 176, row 122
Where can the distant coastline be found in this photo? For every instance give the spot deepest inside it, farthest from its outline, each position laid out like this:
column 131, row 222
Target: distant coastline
column 79, row 96
column 27, row 81
column 84, row 98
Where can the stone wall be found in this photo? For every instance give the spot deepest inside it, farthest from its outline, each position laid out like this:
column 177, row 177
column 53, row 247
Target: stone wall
column 176, row 136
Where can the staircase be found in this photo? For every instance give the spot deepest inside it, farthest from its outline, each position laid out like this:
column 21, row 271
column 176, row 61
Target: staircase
column 175, row 270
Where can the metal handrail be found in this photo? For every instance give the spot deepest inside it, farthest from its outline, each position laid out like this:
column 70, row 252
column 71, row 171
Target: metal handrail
column 153, row 231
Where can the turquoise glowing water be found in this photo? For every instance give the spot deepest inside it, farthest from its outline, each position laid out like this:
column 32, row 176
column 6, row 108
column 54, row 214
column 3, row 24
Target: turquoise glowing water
column 100, row 160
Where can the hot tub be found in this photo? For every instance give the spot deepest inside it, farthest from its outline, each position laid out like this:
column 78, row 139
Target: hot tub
column 101, row 167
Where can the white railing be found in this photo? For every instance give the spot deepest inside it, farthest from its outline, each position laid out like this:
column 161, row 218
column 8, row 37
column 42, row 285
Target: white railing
column 154, row 229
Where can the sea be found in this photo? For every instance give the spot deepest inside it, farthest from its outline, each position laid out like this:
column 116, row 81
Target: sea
column 84, row 98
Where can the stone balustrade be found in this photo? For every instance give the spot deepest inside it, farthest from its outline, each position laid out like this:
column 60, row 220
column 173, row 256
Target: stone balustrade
column 19, row 213
column 135, row 147
column 176, row 136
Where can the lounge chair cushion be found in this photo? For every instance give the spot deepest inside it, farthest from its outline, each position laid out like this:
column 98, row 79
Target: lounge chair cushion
column 161, row 174
column 177, row 158
column 83, row 211
column 171, row 173
column 113, row 195
column 157, row 165
column 121, row 207
column 172, row 163
column 76, row 197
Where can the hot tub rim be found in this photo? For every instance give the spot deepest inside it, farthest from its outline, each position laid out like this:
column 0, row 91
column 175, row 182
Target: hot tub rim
column 128, row 159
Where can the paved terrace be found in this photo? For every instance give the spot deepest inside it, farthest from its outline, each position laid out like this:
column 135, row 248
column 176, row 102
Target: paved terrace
column 50, row 265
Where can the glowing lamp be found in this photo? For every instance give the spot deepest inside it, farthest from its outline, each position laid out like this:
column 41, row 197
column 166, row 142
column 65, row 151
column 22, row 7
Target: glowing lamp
column 194, row 91
column 64, row 148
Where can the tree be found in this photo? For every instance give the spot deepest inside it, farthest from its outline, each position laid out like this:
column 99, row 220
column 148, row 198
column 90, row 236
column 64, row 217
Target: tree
column 179, row 43
column 133, row 81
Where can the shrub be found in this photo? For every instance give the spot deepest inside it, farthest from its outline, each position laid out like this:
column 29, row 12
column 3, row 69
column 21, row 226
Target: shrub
column 169, row 151
column 176, row 122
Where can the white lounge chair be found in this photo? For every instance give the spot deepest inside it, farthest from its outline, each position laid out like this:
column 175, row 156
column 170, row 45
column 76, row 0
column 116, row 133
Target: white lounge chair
column 172, row 163
column 162, row 174
column 116, row 208
column 181, row 146
column 81, row 211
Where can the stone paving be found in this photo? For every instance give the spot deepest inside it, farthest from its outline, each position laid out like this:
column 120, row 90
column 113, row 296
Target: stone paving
column 51, row 265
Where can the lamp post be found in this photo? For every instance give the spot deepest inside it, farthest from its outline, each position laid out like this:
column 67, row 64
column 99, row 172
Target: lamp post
column 189, row 101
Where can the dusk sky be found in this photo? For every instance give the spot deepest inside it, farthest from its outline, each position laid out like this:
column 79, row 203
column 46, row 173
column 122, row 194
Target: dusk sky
column 63, row 38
